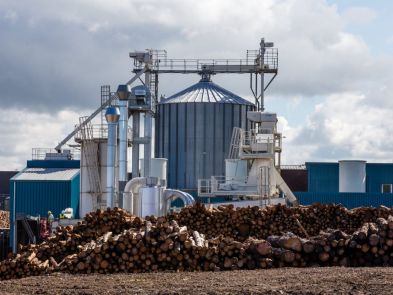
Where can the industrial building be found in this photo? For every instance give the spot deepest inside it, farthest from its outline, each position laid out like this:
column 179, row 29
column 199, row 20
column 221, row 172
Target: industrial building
column 204, row 143
column 350, row 183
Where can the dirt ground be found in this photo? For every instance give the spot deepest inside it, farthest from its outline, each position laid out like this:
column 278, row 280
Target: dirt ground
column 309, row 281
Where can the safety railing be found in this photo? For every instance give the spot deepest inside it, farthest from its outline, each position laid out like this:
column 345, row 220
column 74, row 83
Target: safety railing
column 52, row 154
column 98, row 131
column 257, row 142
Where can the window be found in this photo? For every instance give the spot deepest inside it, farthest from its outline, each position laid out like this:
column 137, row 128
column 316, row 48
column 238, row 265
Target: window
column 387, row 188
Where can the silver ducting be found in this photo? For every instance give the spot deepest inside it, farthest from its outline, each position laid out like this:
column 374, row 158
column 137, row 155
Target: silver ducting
column 123, row 92
column 112, row 115
column 172, row 194
column 131, row 194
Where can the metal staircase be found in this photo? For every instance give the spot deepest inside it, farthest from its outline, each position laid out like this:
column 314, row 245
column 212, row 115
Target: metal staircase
column 90, row 157
column 235, row 143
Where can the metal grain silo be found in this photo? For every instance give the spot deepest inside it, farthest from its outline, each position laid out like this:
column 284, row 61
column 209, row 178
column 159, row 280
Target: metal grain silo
column 194, row 129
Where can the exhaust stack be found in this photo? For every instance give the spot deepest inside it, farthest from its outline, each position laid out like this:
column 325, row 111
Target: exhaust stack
column 112, row 115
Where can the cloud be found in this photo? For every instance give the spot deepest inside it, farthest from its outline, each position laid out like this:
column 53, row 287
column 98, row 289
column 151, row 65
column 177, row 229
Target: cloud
column 58, row 58
column 55, row 59
column 345, row 126
column 21, row 130
column 359, row 15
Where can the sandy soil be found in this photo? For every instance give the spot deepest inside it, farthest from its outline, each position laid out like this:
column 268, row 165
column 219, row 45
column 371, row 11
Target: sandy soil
column 332, row 280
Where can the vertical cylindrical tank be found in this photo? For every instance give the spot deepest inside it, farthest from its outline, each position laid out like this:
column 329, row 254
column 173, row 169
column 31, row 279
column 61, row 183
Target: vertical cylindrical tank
column 352, row 176
column 112, row 115
column 194, row 129
column 150, row 201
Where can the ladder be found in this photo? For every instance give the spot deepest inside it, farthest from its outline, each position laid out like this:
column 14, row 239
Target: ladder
column 105, row 96
column 90, row 157
column 233, row 152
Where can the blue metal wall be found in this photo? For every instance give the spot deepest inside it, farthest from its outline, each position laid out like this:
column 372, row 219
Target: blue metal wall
column 53, row 164
column 349, row 200
column 322, row 177
column 39, row 197
column 378, row 174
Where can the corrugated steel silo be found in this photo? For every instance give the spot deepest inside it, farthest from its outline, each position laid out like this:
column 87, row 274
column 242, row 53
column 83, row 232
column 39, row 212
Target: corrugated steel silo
column 194, row 129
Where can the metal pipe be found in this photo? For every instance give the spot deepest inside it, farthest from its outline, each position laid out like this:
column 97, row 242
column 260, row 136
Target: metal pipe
column 148, row 127
column 135, row 145
column 123, row 91
column 131, row 194
column 112, row 115
column 14, row 236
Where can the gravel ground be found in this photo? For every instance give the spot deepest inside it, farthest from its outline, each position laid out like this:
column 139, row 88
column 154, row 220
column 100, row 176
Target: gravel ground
column 333, row 280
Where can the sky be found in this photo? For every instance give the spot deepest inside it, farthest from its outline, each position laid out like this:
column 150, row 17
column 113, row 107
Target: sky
column 333, row 93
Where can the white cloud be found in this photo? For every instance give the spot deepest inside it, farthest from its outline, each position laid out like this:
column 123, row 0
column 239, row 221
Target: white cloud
column 56, row 59
column 22, row 130
column 359, row 15
column 345, row 126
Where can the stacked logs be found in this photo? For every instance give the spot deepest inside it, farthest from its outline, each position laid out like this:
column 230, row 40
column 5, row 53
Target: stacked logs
column 201, row 239
column 241, row 223
column 4, row 219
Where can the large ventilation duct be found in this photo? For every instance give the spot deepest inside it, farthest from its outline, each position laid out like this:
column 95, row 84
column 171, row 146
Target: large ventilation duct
column 131, row 194
column 123, row 92
column 112, row 115
column 171, row 195
column 352, row 176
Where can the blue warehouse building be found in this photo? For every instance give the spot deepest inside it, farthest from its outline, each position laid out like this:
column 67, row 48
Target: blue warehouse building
column 44, row 185
column 369, row 184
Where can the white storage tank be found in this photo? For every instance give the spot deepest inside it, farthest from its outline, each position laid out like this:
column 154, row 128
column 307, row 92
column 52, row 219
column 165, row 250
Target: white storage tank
column 235, row 169
column 352, row 176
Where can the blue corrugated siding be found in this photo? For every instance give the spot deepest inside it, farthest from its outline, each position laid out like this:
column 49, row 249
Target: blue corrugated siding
column 322, row 177
column 378, row 174
column 38, row 197
column 75, row 193
column 349, row 200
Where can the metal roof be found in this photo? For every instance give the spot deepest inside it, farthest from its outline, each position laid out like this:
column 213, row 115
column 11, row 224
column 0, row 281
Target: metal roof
column 206, row 91
column 43, row 174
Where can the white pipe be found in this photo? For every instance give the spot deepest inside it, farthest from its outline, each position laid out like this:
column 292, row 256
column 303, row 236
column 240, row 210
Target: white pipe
column 123, row 139
column 110, row 170
column 135, row 146
column 112, row 115
column 131, row 194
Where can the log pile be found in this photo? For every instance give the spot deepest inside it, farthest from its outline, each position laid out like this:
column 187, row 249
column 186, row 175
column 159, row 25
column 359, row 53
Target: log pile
column 200, row 239
column 240, row 223
column 4, row 219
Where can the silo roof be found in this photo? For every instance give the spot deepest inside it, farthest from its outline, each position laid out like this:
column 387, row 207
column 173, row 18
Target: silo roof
column 206, row 91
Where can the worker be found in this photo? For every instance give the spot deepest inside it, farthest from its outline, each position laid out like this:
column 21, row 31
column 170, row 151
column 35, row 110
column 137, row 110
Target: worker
column 51, row 218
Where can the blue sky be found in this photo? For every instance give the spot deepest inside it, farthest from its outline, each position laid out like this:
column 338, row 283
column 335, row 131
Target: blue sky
column 333, row 93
